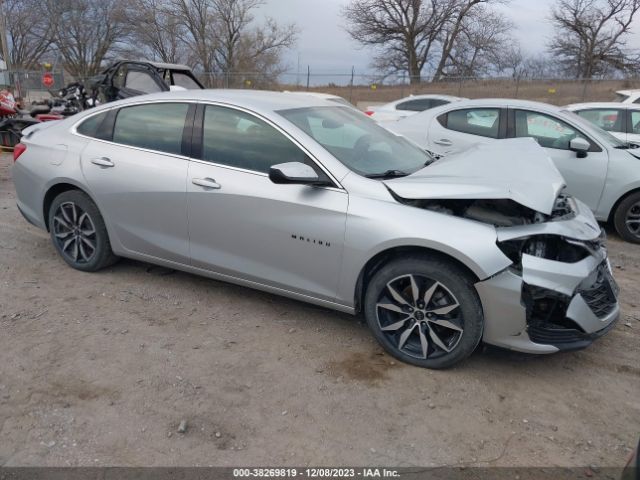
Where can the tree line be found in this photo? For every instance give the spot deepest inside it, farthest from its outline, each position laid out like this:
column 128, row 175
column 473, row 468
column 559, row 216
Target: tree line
column 213, row 36
column 423, row 39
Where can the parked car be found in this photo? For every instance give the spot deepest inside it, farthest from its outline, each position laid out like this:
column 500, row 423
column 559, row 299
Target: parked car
column 622, row 120
column 127, row 78
column 306, row 198
column 600, row 170
column 628, row 96
column 405, row 107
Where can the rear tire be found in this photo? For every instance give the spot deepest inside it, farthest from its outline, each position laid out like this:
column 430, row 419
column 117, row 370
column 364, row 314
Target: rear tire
column 424, row 311
column 626, row 218
column 78, row 232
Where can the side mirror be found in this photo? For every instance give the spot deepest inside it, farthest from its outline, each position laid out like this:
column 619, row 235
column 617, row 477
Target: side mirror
column 293, row 173
column 580, row 146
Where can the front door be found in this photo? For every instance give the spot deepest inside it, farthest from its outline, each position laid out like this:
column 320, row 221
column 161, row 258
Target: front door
column 585, row 177
column 243, row 225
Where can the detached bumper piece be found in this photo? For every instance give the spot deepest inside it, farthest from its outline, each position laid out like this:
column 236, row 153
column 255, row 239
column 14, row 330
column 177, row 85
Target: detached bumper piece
column 572, row 323
column 549, row 306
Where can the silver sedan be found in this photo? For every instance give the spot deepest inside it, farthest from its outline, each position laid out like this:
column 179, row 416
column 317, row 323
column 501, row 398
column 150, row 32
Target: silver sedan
column 303, row 197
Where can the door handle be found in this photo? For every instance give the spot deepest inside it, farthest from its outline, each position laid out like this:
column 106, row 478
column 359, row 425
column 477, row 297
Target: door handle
column 445, row 142
column 206, row 183
column 103, row 162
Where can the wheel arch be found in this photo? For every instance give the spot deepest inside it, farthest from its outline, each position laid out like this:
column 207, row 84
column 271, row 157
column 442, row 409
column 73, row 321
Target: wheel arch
column 53, row 191
column 617, row 203
column 375, row 263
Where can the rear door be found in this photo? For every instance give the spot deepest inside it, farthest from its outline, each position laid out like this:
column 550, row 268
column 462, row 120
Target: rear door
column 137, row 171
column 459, row 129
column 585, row 177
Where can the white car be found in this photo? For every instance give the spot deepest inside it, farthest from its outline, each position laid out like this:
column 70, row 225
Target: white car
column 405, row 107
column 600, row 170
column 622, row 120
column 628, row 96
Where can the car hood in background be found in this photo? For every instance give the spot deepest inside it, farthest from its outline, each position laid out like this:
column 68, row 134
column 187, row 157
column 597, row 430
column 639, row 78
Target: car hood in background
column 517, row 169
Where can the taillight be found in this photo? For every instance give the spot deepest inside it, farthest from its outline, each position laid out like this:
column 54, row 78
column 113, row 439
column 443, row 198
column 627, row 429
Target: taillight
column 369, row 112
column 18, row 150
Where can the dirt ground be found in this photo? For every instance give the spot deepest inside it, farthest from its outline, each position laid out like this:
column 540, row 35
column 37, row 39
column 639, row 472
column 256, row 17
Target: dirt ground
column 100, row 369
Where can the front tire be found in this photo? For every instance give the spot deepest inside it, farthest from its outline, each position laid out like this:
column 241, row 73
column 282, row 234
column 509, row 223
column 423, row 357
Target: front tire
column 78, row 232
column 627, row 218
column 424, row 311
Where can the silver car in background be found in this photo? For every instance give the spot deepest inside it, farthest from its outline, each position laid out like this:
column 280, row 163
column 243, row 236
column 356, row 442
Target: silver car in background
column 600, row 170
column 306, row 198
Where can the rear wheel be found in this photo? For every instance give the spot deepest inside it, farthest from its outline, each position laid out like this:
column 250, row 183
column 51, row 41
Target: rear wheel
column 78, row 232
column 424, row 312
column 627, row 218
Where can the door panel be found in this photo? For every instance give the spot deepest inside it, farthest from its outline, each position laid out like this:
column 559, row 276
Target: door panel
column 585, row 177
column 142, row 197
column 288, row 236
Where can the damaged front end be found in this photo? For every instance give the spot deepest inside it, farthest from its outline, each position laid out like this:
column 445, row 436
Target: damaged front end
column 559, row 293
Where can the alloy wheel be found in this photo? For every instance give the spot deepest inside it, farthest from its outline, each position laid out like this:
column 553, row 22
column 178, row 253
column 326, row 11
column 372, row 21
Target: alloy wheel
column 74, row 232
column 632, row 219
column 420, row 316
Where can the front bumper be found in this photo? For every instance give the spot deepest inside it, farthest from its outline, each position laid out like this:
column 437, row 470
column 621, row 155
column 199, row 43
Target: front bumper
column 550, row 306
column 546, row 306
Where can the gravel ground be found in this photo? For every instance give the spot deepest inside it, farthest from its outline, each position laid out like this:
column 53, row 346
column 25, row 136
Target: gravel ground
column 101, row 369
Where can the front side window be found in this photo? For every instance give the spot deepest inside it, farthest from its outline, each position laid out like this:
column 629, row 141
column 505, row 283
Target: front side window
column 607, row 119
column 548, row 131
column 357, row 141
column 484, row 122
column 635, row 123
column 156, row 126
column 142, row 82
column 238, row 139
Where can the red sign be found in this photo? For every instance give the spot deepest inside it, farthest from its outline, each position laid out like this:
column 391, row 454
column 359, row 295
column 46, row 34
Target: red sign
column 48, row 80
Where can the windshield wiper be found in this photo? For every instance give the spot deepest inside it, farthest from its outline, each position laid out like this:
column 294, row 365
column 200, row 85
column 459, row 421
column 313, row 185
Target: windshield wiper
column 388, row 174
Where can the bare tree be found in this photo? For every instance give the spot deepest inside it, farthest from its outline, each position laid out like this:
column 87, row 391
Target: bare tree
column 29, row 32
column 86, row 32
column 590, row 36
column 410, row 34
column 222, row 37
column 405, row 31
column 156, row 30
column 479, row 46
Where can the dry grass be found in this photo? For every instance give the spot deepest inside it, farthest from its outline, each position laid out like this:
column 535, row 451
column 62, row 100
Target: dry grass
column 558, row 92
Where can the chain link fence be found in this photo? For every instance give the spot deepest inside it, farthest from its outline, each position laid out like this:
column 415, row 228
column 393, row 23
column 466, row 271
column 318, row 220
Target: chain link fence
column 364, row 89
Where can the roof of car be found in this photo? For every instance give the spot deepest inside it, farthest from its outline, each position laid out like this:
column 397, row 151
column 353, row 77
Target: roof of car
column 588, row 105
column 497, row 103
column 449, row 98
column 170, row 66
column 250, row 99
column 628, row 92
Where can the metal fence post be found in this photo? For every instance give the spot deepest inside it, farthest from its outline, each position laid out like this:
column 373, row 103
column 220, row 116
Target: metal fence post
column 308, row 76
column 517, row 85
column 353, row 72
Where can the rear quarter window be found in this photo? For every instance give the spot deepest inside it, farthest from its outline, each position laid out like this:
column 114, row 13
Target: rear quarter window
column 91, row 125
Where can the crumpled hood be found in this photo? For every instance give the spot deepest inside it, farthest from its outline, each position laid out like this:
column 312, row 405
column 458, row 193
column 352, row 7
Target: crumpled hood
column 517, row 169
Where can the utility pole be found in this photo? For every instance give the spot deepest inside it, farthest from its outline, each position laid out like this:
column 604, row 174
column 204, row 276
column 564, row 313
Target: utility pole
column 3, row 37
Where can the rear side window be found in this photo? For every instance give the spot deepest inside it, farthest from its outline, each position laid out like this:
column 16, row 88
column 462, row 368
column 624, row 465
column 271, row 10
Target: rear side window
column 416, row 105
column 157, row 126
column 484, row 122
column 238, row 139
column 91, row 125
column 610, row 120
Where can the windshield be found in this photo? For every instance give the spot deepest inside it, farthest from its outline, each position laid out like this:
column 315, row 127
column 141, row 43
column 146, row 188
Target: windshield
column 358, row 142
column 606, row 136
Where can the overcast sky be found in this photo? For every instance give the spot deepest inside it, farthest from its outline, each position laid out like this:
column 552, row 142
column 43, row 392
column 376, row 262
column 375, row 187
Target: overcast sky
column 324, row 45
